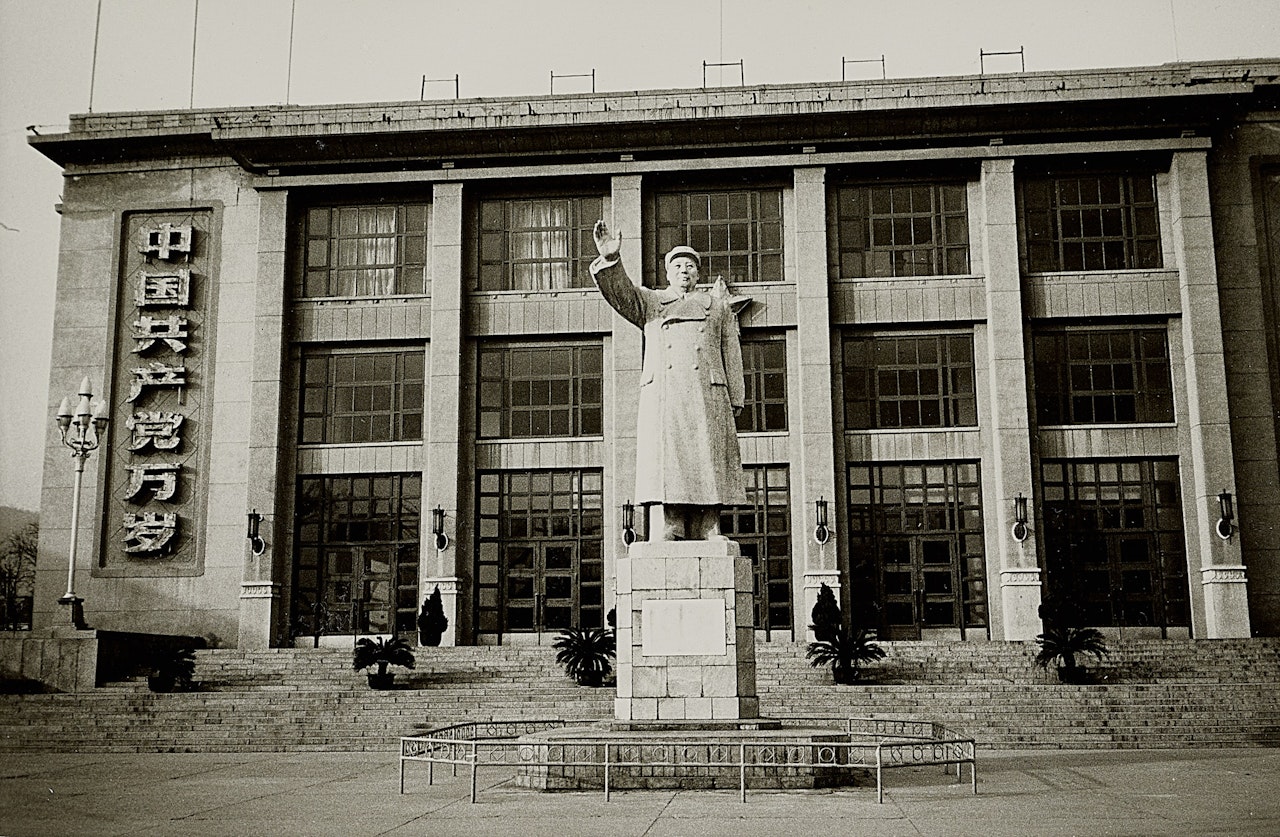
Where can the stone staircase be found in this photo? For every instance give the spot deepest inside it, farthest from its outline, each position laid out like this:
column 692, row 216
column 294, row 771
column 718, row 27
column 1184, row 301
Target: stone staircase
column 1176, row 693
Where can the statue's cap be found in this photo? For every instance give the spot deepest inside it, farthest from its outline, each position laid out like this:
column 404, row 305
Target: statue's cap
column 687, row 252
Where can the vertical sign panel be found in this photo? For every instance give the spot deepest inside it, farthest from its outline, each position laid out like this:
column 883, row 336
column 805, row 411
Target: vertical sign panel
column 161, row 397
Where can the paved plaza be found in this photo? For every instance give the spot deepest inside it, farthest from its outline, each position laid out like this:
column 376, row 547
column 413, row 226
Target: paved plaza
column 1150, row 792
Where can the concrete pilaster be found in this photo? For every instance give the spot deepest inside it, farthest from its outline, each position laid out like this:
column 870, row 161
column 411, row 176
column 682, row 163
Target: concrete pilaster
column 1211, row 468
column 624, row 359
column 261, row 580
column 1011, row 565
column 811, row 414
column 441, row 436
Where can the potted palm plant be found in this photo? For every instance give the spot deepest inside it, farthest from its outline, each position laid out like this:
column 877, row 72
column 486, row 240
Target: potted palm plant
column 585, row 653
column 172, row 669
column 1061, row 645
column 846, row 650
column 1065, row 638
column 381, row 652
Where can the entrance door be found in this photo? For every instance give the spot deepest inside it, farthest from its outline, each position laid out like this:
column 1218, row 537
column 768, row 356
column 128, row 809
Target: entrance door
column 1114, row 547
column 919, row 584
column 540, row 552
column 372, row 589
column 541, row 587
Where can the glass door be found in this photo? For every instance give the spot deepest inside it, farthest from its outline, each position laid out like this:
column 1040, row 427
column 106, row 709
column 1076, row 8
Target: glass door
column 919, row 585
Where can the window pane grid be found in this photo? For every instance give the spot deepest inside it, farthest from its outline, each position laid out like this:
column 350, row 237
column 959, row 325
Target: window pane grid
column 364, row 251
column 762, row 529
column 764, row 363
column 1094, row 222
column 917, row 552
column 899, row 230
column 909, row 381
column 357, row 553
column 538, row 243
column 355, row 397
column 532, row 391
column 1102, row 376
column 1114, row 540
column 539, row 562
column 738, row 234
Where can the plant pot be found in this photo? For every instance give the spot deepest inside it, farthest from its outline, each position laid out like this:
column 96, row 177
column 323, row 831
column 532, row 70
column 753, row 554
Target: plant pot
column 1074, row 676
column 590, row 678
column 160, row 683
column 381, row 681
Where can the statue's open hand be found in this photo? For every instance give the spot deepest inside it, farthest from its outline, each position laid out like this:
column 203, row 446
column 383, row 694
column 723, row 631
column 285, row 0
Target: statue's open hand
column 607, row 243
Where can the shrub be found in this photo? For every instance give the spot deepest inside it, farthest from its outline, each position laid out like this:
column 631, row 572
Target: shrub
column 846, row 650
column 431, row 620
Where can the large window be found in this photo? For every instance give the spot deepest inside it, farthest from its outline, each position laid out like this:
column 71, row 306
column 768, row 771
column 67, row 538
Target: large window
column 364, row 251
column 357, row 553
column 899, row 230
column 539, row 563
column 350, row 397
column 1114, row 543
column 762, row 528
column 1102, row 376
column 537, row 244
column 909, row 381
column 547, row 390
column 1089, row 222
column 916, row 546
column 764, row 365
column 738, row 234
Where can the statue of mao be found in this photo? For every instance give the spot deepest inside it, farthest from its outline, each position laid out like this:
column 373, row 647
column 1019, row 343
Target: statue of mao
column 688, row 463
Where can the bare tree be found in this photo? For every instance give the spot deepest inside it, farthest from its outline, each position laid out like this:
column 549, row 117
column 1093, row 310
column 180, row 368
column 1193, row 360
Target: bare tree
column 17, row 574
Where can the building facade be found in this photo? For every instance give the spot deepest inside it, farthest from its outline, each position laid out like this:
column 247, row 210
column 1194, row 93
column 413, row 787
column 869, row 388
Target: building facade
column 1014, row 336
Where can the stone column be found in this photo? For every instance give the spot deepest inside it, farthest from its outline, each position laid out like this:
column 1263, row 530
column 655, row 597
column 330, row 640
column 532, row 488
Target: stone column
column 622, row 380
column 810, row 413
column 444, row 381
column 1226, row 608
column 1006, row 429
column 260, row 583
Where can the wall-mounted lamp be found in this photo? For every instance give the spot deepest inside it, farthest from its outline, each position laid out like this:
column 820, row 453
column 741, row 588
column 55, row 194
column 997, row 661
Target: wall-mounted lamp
column 1019, row 531
column 628, row 523
column 437, row 529
column 1226, row 516
column 821, row 533
column 256, row 543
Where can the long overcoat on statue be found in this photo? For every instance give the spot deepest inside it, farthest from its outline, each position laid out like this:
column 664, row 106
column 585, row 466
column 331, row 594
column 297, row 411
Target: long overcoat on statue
column 691, row 382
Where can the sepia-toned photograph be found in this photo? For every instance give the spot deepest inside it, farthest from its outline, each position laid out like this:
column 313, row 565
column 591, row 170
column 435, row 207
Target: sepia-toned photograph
column 716, row 417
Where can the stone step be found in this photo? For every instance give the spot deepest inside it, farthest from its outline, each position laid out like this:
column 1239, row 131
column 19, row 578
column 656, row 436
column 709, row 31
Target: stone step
column 1187, row 693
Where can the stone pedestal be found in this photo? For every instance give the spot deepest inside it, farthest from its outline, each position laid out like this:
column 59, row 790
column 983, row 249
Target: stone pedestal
column 686, row 644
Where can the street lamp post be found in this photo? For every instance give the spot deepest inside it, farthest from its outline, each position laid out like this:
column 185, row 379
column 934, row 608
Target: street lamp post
column 81, row 431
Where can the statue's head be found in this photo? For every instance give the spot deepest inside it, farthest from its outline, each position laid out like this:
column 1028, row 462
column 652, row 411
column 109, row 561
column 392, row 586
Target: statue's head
column 682, row 267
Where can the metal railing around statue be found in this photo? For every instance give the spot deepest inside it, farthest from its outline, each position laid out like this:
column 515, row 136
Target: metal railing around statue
column 877, row 744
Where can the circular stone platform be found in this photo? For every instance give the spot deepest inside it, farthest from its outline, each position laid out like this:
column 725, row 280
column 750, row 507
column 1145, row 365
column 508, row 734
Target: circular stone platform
column 674, row 755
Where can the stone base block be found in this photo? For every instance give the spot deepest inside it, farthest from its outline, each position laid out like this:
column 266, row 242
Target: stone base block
column 686, row 645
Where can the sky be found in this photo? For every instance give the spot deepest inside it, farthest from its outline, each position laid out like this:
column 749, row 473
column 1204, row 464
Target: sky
column 380, row 50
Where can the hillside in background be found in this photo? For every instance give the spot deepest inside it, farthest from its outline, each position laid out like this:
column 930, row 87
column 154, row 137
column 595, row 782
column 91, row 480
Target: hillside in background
column 13, row 520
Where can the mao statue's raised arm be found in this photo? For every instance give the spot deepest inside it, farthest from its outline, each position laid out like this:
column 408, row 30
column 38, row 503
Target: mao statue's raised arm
column 688, row 463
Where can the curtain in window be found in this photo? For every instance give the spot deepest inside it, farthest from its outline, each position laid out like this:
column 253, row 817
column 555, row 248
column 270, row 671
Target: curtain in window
column 365, row 254
column 539, row 244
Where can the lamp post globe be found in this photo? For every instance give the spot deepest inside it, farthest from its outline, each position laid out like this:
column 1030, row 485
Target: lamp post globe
column 82, row 422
